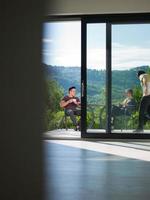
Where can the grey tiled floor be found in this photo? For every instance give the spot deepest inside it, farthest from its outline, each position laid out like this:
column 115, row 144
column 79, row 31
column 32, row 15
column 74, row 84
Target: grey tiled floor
column 80, row 174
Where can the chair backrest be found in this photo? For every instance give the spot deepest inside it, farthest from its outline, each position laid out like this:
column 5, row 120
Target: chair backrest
column 131, row 108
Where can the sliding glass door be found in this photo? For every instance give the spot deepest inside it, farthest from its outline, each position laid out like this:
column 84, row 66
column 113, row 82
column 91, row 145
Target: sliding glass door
column 96, row 77
column 130, row 53
column 100, row 56
column 112, row 54
column 61, row 62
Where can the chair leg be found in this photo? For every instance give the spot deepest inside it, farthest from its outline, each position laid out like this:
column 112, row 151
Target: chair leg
column 61, row 122
column 125, row 123
column 122, row 123
column 66, row 123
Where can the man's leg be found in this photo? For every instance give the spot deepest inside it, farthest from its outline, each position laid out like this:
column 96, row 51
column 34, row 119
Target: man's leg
column 145, row 103
column 70, row 113
column 78, row 113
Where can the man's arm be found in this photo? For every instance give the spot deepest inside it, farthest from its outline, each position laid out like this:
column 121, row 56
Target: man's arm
column 78, row 103
column 64, row 103
column 144, row 83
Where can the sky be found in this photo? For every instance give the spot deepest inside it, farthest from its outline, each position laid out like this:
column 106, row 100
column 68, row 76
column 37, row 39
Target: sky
column 62, row 45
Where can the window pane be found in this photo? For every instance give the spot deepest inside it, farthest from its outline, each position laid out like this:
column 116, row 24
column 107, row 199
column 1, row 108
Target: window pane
column 96, row 76
column 62, row 66
column 130, row 53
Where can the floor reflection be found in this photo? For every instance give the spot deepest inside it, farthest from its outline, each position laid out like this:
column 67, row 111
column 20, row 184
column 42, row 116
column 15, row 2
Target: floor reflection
column 74, row 171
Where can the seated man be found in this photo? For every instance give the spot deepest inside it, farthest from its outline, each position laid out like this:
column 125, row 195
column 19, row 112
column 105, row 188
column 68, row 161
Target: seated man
column 71, row 105
column 126, row 107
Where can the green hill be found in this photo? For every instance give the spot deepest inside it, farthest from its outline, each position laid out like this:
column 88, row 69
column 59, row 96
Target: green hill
column 68, row 76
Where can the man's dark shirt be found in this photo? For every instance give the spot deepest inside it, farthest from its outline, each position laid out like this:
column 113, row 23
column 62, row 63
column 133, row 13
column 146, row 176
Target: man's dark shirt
column 72, row 105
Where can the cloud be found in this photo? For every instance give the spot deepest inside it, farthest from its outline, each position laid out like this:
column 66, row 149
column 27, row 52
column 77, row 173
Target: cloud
column 96, row 58
column 62, row 57
column 123, row 57
column 126, row 57
column 47, row 40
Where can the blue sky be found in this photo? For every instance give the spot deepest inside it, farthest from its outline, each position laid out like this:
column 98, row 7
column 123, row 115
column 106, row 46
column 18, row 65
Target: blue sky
column 131, row 45
column 62, row 45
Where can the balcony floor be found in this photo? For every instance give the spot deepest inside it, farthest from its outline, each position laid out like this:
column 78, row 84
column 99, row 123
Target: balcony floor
column 72, row 134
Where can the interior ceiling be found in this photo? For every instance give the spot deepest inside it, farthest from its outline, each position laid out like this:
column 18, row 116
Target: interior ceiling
column 63, row 7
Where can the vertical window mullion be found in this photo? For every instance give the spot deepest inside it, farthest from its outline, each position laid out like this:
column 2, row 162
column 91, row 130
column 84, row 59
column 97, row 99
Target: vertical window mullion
column 83, row 75
column 108, row 77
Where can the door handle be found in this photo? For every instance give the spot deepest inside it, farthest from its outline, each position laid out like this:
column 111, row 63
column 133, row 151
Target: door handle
column 82, row 89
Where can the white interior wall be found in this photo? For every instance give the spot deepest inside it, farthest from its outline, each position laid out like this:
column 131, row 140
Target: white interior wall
column 61, row 7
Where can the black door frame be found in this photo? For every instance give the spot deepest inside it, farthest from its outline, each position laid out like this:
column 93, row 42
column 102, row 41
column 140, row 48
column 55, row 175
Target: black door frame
column 109, row 19
column 84, row 78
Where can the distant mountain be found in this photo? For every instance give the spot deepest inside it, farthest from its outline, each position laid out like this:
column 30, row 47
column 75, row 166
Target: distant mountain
column 65, row 76
column 69, row 76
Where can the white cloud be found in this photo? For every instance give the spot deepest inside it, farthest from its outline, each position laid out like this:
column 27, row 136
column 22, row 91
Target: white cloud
column 123, row 57
column 117, row 45
column 63, row 57
column 47, row 40
column 96, row 58
column 126, row 57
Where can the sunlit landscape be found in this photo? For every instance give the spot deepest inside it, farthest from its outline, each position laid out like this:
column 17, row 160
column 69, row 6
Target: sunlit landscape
column 62, row 68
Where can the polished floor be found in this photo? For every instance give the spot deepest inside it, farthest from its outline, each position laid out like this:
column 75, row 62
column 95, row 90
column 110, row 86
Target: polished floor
column 72, row 134
column 97, row 170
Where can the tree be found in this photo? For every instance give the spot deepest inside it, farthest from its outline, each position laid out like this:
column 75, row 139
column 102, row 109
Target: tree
column 53, row 94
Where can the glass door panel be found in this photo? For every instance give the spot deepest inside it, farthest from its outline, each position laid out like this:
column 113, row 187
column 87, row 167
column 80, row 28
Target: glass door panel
column 61, row 58
column 96, row 77
column 130, row 53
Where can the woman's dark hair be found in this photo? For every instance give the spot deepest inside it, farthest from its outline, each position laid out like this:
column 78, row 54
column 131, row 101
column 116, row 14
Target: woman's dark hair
column 73, row 87
column 140, row 72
